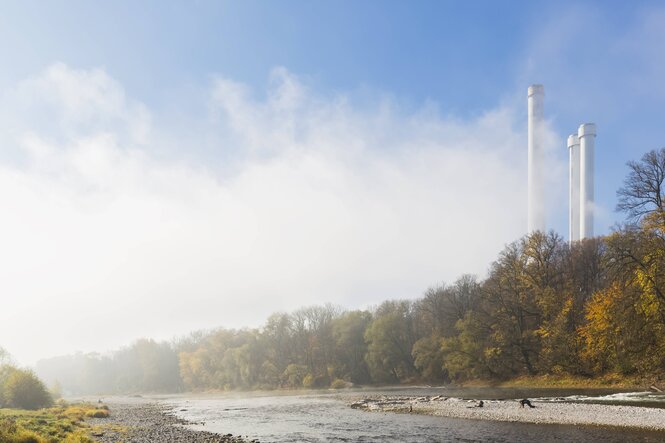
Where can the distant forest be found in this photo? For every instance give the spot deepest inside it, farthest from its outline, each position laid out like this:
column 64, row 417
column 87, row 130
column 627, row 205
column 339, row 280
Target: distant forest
column 589, row 309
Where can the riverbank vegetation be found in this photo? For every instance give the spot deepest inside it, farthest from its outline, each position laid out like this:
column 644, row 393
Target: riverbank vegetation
column 27, row 414
column 590, row 310
column 65, row 423
column 21, row 389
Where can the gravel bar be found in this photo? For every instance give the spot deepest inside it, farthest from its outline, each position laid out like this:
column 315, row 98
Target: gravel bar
column 511, row 411
column 141, row 421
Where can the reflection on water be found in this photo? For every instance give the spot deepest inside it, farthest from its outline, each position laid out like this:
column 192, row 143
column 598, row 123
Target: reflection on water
column 326, row 417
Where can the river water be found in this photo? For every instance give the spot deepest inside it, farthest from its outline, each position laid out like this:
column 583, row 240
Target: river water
column 326, row 417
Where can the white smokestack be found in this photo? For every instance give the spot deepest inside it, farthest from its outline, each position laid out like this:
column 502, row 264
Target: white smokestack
column 536, row 216
column 574, row 188
column 587, row 136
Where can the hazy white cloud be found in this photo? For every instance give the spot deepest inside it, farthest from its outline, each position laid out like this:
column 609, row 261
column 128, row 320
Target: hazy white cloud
column 325, row 201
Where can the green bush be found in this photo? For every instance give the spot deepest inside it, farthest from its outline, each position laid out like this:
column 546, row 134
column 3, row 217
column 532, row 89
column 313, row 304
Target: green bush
column 5, row 372
column 23, row 390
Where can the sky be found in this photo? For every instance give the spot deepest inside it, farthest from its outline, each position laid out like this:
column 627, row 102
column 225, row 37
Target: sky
column 174, row 166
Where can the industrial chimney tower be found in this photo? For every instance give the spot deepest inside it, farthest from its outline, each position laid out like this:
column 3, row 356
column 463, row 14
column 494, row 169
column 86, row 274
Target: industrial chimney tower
column 581, row 182
column 536, row 198
column 587, row 136
column 581, row 172
column 574, row 188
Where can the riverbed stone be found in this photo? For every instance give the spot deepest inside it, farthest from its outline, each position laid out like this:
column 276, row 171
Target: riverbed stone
column 144, row 422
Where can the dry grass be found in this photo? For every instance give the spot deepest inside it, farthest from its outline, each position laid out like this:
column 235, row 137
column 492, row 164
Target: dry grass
column 64, row 423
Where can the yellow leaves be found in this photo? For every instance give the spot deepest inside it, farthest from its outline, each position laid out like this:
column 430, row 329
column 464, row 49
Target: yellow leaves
column 650, row 278
column 600, row 332
column 655, row 222
column 624, row 330
column 557, row 327
column 491, row 353
column 598, row 311
column 649, row 305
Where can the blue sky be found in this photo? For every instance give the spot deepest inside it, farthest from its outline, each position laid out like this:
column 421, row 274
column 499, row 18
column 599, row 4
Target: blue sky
column 464, row 56
column 432, row 50
column 262, row 156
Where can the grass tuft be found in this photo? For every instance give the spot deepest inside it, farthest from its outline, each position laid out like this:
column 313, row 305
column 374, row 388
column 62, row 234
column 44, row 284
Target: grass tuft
column 98, row 413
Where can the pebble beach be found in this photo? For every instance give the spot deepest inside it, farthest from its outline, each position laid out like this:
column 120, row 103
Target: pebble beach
column 140, row 421
column 511, row 411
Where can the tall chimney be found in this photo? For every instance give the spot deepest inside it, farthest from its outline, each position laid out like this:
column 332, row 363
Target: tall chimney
column 574, row 188
column 536, row 200
column 587, row 136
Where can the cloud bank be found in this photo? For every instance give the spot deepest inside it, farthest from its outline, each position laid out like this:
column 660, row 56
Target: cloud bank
column 300, row 199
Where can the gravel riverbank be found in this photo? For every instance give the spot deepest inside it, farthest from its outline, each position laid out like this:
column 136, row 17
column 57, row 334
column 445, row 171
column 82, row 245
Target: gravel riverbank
column 141, row 421
column 510, row 411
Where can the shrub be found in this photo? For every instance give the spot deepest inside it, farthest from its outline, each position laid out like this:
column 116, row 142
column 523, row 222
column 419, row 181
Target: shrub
column 315, row 382
column 338, row 383
column 11, row 433
column 23, row 390
column 5, row 372
column 293, row 375
column 26, row 437
column 78, row 438
column 97, row 413
column 308, row 381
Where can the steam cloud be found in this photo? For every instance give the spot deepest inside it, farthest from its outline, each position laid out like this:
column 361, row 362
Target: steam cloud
column 117, row 225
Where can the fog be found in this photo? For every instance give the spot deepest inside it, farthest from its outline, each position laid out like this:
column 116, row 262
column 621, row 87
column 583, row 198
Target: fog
column 120, row 223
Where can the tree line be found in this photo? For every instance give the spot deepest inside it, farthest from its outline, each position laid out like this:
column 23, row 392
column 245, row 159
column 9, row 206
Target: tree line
column 586, row 309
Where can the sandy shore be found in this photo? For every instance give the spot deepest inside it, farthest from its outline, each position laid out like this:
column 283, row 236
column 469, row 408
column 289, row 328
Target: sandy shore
column 142, row 421
column 510, row 411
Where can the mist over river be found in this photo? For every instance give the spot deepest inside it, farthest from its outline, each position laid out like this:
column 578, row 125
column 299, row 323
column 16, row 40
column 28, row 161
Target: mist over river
column 325, row 416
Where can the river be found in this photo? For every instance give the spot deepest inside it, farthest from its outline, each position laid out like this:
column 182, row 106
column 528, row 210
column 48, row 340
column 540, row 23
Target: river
column 324, row 416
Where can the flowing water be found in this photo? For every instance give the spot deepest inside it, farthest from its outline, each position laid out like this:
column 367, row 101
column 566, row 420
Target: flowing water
column 645, row 399
column 327, row 417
